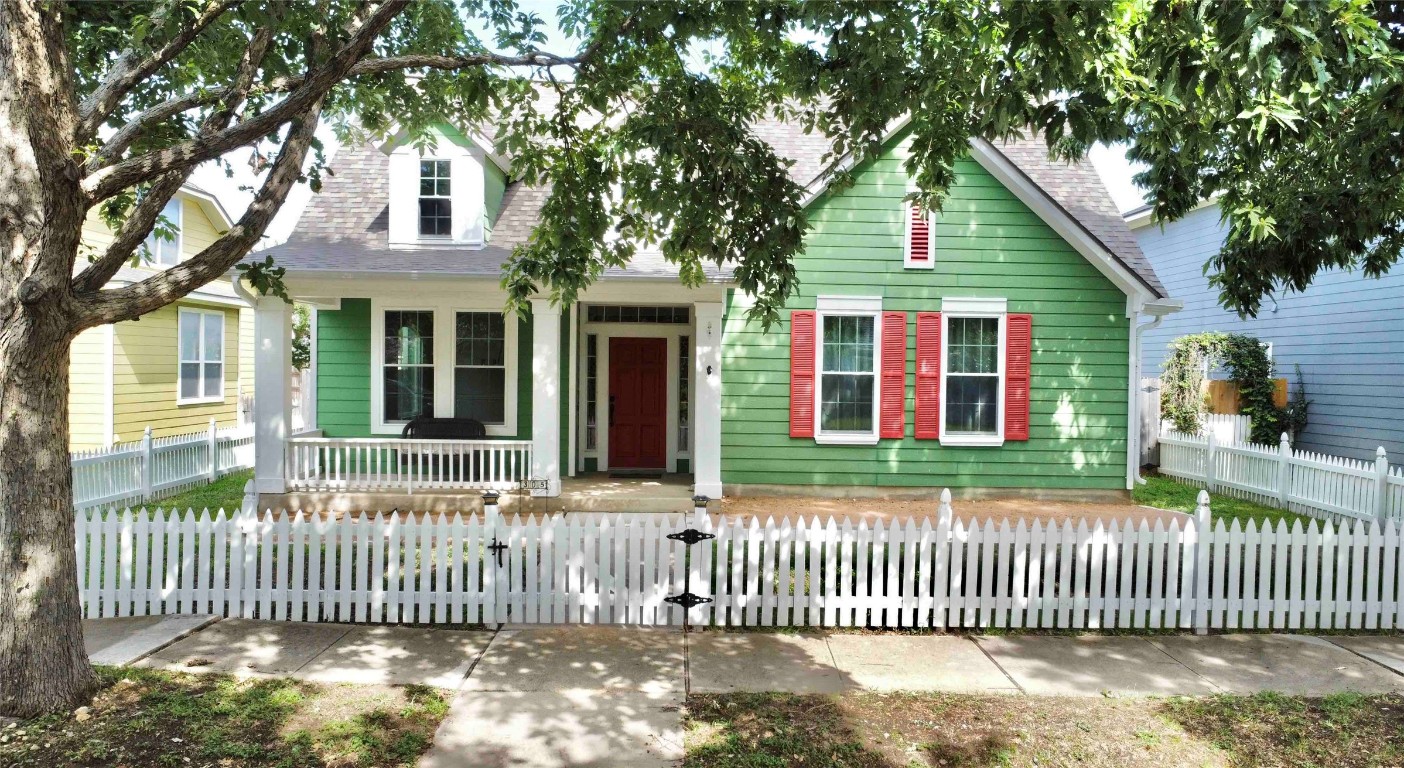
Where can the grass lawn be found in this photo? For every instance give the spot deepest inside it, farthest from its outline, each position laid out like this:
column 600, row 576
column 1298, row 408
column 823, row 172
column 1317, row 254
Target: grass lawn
column 152, row 718
column 1164, row 493
column 226, row 493
column 872, row 730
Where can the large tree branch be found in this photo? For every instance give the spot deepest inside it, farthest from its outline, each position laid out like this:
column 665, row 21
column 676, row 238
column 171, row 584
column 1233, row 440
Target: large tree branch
column 106, row 182
column 131, row 67
column 154, row 115
column 143, row 216
column 132, row 301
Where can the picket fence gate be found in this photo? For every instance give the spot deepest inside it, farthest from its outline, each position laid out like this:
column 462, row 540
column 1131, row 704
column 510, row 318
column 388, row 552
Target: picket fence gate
column 941, row 573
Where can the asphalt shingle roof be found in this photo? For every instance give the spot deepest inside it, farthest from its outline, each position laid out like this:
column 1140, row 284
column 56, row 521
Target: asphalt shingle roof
column 345, row 227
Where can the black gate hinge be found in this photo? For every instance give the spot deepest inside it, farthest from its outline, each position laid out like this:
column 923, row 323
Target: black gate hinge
column 687, row 600
column 691, row 536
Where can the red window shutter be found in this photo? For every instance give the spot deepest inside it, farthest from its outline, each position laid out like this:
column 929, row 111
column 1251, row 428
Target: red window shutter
column 802, row 373
column 919, row 236
column 1018, row 350
column 892, row 410
column 928, row 375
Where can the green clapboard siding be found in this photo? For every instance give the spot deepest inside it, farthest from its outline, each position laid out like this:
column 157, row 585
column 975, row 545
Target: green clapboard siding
column 344, row 371
column 988, row 244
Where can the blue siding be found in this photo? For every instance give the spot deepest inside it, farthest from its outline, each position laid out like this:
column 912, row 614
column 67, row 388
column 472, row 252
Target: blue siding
column 1346, row 331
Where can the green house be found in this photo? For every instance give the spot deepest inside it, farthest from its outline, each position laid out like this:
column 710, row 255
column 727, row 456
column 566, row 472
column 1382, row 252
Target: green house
column 991, row 347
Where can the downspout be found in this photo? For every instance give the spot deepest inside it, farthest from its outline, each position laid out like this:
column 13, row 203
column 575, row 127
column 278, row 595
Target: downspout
column 1135, row 436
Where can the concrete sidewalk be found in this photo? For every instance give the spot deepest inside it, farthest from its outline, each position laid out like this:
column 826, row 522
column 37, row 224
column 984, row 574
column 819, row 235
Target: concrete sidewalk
column 552, row 697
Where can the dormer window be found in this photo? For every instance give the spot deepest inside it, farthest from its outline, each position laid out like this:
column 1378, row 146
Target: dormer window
column 435, row 198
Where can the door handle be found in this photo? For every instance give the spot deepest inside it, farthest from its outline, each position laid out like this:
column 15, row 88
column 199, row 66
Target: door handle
column 611, row 410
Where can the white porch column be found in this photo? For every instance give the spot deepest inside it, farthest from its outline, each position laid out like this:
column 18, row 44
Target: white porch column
column 706, row 450
column 546, row 396
column 272, row 408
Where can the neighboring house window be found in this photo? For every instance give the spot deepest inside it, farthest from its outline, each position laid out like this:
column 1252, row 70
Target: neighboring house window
column 918, row 249
column 201, row 376
column 408, row 370
column 480, row 367
column 161, row 250
column 435, row 205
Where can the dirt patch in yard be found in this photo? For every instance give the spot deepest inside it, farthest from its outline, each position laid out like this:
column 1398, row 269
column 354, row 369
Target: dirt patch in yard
column 908, row 730
column 873, row 510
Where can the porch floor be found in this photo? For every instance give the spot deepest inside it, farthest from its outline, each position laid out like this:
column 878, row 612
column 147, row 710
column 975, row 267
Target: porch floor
column 593, row 492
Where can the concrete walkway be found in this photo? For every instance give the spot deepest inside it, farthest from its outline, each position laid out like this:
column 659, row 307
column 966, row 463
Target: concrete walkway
column 557, row 697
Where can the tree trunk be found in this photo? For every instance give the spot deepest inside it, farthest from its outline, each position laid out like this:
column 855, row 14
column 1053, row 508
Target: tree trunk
column 43, row 665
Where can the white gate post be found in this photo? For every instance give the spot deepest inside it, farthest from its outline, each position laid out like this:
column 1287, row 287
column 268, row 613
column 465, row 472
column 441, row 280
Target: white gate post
column 146, row 464
column 1381, row 484
column 213, row 444
column 941, row 568
column 1284, row 471
column 699, row 512
column 1210, row 470
column 1202, row 547
column 494, row 609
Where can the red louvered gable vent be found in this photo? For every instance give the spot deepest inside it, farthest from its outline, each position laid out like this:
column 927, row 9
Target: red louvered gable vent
column 928, row 376
column 1018, row 344
column 802, row 342
column 919, row 236
column 892, row 411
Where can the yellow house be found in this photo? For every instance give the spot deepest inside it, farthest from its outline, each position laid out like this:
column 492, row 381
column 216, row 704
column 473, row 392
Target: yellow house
column 173, row 369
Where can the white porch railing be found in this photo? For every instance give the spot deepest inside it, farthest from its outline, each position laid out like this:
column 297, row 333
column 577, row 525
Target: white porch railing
column 391, row 464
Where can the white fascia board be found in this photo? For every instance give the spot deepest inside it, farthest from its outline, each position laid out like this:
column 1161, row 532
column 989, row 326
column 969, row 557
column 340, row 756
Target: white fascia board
column 1008, row 174
column 1144, row 216
column 816, row 188
column 212, row 205
column 396, row 136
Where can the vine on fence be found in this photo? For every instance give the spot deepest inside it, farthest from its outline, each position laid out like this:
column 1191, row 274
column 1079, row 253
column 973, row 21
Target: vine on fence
column 1250, row 369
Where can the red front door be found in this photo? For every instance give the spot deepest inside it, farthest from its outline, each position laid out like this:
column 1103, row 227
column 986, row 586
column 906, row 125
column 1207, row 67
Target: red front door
column 638, row 403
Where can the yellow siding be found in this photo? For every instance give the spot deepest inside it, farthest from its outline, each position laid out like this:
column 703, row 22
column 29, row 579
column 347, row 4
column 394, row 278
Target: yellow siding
column 146, row 371
column 145, row 354
column 87, row 393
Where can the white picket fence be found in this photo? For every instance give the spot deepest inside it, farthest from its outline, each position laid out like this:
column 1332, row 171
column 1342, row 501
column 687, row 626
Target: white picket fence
column 1279, row 476
column 939, row 572
column 152, row 467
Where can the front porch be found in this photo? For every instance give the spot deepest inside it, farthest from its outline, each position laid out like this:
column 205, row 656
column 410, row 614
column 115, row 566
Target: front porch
column 612, row 404
column 587, row 493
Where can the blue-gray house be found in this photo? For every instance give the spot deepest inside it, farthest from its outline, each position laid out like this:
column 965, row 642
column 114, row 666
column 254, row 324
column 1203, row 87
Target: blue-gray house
column 1346, row 331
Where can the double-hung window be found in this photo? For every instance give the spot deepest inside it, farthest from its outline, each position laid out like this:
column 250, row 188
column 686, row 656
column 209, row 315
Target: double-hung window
column 162, row 246
column 435, row 198
column 973, row 372
column 847, row 368
column 480, row 367
column 408, row 369
column 201, row 369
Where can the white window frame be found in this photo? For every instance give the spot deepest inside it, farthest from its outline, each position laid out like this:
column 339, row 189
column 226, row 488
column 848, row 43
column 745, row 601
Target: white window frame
column 907, row 261
column 154, row 245
column 953, row 308
column 444, row 361
column 846, row 306
column 200, row 359
column 419, row 195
